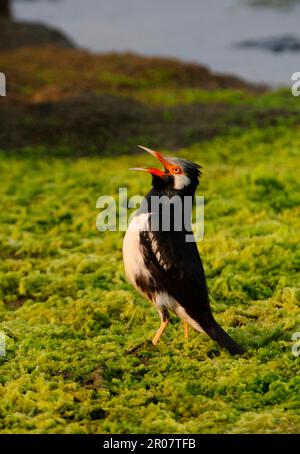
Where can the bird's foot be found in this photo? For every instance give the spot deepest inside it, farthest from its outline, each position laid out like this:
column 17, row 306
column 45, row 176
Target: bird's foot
column 160, row 331
column 186, row 330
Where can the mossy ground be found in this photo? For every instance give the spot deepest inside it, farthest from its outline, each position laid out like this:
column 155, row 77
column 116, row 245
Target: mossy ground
column 70, row 317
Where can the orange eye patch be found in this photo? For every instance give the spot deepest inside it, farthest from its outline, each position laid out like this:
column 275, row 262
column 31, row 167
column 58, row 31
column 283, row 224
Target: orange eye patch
column 176, row 170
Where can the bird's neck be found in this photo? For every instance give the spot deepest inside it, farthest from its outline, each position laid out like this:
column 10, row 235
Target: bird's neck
column 171, row 205
column 184, row 194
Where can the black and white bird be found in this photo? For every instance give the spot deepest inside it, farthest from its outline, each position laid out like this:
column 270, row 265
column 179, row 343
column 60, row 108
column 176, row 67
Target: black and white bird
column 161, row 264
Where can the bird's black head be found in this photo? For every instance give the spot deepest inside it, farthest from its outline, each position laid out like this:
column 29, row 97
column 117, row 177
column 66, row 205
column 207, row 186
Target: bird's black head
column 178, row 175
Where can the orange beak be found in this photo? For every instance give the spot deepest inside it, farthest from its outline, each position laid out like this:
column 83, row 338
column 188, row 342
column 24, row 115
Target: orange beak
column 152, row 170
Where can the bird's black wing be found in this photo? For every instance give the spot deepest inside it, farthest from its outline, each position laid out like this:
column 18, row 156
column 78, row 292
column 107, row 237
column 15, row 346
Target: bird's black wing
column 176, row 266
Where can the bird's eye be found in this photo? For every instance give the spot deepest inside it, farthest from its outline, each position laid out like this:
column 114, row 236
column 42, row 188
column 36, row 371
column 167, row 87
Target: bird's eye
column 176, row 170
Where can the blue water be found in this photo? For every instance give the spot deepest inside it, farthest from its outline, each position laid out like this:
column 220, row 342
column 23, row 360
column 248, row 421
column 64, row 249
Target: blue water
column 200, row 30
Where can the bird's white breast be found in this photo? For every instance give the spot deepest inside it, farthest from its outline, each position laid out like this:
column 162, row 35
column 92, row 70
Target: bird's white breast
column 132, row 250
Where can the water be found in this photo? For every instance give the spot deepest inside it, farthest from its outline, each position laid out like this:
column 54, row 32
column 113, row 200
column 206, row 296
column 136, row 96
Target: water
column 203, row 31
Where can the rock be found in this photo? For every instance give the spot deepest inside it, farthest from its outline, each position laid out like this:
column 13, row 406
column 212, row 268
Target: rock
column 276, row 4
column 23, row 34
column 284, row 43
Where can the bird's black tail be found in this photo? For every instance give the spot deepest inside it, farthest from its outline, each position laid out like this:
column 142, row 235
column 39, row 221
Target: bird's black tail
column 214, row 330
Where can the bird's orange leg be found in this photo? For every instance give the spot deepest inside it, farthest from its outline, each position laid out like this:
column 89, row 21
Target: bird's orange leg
column 186, row 330
column 160, row 331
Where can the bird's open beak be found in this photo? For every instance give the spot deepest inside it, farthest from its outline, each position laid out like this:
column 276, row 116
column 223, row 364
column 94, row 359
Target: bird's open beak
column 152, row 170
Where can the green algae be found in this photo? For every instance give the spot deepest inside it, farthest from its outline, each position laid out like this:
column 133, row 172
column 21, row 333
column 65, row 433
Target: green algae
column 70, row 317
